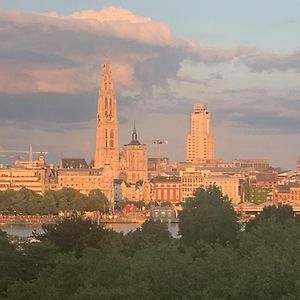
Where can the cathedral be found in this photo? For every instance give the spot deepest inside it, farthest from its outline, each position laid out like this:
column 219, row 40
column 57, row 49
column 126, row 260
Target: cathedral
column 132, row 164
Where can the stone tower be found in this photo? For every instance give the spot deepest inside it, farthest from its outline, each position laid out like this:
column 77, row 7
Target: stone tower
column 107, row 123
column 200, row 141
column 134, row 160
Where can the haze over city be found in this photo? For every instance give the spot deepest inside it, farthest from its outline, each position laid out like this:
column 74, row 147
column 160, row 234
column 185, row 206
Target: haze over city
column 239, row 59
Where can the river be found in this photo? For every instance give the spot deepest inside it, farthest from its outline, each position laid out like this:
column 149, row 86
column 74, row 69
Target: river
column 25, row 231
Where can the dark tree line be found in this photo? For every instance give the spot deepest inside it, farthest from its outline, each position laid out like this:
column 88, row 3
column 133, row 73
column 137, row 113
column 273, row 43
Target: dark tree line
column 28, row 202
column 213, row 259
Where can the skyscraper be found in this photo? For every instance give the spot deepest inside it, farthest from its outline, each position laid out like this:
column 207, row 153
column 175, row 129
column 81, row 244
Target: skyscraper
column 107, row 123
column 200, row 141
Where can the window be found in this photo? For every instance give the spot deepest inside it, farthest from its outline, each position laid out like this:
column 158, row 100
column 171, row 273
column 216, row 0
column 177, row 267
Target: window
column 111, row 135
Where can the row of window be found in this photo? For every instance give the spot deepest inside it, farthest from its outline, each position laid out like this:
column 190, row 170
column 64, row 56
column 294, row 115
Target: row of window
column 167, row 194
column 167, row 185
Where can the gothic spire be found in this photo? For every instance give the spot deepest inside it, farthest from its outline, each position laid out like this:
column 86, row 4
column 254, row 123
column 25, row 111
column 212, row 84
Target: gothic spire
column 134, row 138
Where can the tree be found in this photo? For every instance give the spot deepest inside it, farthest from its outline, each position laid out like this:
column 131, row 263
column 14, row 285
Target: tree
column 97, row 201
column 272, row 213
column 70, row 199
column 72, row 234
column 150, row 234
column 8, row 264
column 208, row 216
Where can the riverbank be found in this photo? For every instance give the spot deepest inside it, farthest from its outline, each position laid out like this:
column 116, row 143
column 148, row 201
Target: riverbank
column 51, row 219
column 28, row 219
column 25, row 230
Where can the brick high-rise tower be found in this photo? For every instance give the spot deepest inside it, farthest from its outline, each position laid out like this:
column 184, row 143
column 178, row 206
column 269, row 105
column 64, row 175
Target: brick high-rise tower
column 200, row 141
column 107, row 151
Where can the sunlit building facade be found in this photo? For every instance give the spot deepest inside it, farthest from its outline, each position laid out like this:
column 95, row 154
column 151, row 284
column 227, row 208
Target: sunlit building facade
column 106, row 151
column 200, row 141
column 192, row 179
column 134, row 160
column 17, row 178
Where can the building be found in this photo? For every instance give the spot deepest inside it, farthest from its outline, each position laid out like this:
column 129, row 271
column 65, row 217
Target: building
column 164, row 214
column 281, row 193
column 200, row 141
column 260, row 186
column 192, row 179
column 17, row 178
column 107, row 124
column 139, row 191
column 167, row 189
column 86, row 180
column 134, row 160
column 295, row 194
column 259, row 194
column 259, row 165
column 31, row 163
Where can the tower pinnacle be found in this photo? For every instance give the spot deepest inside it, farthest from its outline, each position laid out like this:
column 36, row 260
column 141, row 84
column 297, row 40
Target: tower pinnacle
column 134, row 137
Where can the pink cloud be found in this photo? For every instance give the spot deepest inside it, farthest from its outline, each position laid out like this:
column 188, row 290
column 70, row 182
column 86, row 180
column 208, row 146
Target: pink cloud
column 63, row 53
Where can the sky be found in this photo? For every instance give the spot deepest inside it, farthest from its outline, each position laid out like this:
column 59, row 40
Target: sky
column 241, row 58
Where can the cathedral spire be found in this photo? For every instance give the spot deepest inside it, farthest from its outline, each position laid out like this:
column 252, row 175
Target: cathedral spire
column 134, row 138
column 107, row 122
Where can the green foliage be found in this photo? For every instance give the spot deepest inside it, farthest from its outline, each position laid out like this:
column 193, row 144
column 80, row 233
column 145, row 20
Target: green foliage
column 272, row 213
column 7, row 263
column 72, row 234
column 23, row 201
column 28, row 202
column 151, row 233
column 208, row 217
column 97, row 201
column 75, row 259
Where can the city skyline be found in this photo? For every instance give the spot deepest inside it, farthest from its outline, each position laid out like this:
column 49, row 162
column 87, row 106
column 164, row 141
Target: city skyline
column 52, row 64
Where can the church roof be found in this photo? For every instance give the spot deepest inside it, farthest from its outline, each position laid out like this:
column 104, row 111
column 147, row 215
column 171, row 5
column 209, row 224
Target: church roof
column 134, row 140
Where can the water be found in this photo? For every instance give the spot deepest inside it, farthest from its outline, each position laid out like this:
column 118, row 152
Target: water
column 21, row 230
column 25, row 231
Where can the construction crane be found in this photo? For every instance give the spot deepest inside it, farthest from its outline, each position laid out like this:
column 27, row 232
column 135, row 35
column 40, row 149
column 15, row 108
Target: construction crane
column 30, row 152
column 157, row 144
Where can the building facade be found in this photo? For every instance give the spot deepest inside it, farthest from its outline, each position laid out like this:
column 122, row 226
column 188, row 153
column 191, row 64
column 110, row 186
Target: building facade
column 295, row 194
column 86, row 180
column 192, row 179
column 140, row 191
column 167, row 189
column 259, row 165
column 200, row 141
column 134, row 161
column 106, row 151
column 17, row 178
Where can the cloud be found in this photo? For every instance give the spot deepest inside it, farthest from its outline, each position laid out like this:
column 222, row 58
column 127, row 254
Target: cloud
column 259, row 61
column 190, row 79
column 62, row 53
column 242, row 91
column 50, row 67
column 72, row 46
column 262, row 116
column 48, row 108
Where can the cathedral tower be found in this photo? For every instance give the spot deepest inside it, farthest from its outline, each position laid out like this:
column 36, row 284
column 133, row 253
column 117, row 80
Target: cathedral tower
column 200, row 141
column 134, row 161
column 107, row 123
